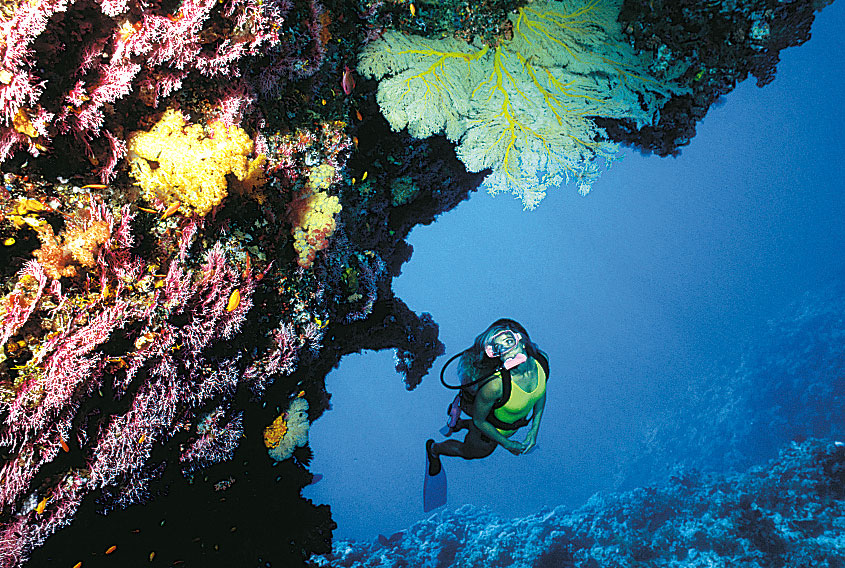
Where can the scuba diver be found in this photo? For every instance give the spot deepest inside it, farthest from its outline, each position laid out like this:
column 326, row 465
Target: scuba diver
column 503, row 381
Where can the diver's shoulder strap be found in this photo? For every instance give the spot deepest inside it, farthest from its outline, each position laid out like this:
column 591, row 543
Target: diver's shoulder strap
column 506, row 388
column 468, row 397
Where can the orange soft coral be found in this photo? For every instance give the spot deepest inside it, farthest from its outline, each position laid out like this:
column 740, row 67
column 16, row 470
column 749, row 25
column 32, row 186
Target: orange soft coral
column 77, row 244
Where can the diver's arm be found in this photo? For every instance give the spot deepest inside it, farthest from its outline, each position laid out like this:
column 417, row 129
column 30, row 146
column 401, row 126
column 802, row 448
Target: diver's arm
column 484, row 401
column 538, row 414
column 531, row 438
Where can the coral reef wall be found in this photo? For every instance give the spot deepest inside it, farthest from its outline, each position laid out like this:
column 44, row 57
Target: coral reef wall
column 203, row 207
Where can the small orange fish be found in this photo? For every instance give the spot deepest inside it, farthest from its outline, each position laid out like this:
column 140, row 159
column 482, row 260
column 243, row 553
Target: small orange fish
column 77, row 565
column 413, row 10
column 234, row 300
column 358, row 115
column 174, row 207
column 355, row 141
column 301, row 394
column 64, row 444
column 41, row 506
column 363, row 177
column 111, row 549
column 141, row 439
column 146, row 210
column 94, row 186
column 152, row 555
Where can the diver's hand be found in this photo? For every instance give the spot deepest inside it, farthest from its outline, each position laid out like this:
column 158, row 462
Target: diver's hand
column 514, row 447
column 530, row 442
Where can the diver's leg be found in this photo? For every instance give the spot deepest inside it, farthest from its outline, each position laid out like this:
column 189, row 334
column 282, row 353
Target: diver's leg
column 448, row 448
column 475, row 445
column 463, row 424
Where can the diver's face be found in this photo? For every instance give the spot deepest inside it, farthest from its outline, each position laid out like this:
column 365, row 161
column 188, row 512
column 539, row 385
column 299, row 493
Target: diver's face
column 505, row 343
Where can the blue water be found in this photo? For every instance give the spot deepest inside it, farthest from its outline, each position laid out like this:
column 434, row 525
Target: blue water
column 666, row 275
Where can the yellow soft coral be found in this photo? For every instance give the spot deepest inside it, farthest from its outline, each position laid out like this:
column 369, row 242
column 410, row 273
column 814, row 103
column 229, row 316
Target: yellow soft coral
column 186, row 163
column 289, row 431
column 274, row 433
column 253, row 181
column 321, row 177
column 313, row 214
column 315, row 223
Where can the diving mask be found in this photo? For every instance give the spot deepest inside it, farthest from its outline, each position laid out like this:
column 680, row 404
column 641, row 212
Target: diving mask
column 502, row 343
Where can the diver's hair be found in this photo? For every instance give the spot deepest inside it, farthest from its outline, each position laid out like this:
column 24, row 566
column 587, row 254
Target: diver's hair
column 474, row 362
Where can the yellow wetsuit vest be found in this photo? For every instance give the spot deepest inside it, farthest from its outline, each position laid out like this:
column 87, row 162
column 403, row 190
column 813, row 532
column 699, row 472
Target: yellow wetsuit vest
column 521, row 403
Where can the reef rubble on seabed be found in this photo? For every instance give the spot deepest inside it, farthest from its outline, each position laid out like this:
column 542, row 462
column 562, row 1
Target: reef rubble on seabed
column 787, row 513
